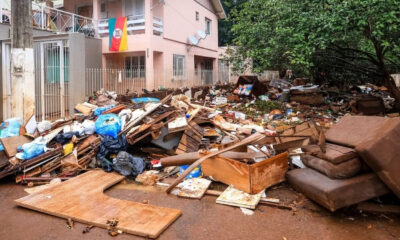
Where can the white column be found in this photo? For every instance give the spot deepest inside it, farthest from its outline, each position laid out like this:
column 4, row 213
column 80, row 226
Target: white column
column 149, row 51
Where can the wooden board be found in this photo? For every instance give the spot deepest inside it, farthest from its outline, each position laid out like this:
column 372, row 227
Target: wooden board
column 228, row 171
column 82, row 199
column 237, row 198
column 10, row 144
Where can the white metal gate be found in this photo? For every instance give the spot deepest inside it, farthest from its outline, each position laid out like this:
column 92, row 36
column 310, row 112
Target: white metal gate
column 6, row 78
column 51, row 82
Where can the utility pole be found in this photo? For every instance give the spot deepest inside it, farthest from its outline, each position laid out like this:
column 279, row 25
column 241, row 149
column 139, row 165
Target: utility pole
column 22, row 61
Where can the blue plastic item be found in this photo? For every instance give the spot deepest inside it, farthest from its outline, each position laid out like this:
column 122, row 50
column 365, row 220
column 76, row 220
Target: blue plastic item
column 98, row 111
column 32, row 150
column 195, row 173
column 145, row 100
column 108, row 125
column 11, row 130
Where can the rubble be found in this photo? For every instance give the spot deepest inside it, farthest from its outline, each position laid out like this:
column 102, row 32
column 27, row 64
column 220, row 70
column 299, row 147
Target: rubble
column 250, row 136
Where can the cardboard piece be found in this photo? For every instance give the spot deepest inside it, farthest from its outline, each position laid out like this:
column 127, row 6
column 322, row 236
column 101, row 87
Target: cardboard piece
column 234, row 197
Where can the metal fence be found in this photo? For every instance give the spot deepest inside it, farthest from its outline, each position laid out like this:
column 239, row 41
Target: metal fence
column 121, row 81
column 51, row 80
column 125, row 81
column 179, row 79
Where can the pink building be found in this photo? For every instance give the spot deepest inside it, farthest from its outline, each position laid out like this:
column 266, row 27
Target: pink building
column 166, row 44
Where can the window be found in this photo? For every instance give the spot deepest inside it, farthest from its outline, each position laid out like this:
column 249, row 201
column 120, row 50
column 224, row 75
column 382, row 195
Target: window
column 134, row 7
column 208, row 26
column 197, row 16
column 135, row 67
column 179, row 65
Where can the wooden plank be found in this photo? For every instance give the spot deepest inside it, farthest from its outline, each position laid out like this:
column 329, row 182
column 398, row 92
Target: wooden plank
column 82, row 199
column 269, row 172
column 10, row 144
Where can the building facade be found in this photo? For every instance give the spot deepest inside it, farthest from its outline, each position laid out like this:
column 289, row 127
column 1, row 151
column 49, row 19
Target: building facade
column 161, row 49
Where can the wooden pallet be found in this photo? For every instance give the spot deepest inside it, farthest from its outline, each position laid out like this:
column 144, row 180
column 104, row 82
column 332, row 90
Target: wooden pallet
column 82, row 199
column 191, row 139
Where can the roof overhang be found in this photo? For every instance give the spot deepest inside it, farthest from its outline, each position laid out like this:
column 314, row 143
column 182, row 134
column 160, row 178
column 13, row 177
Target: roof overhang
column 219, row 9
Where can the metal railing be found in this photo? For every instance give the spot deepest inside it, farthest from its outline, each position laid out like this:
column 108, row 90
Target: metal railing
column 125, row 81
column 183, row 78
column 52, row 19
column 135, row 25
column 121, row 81
column 5, row 11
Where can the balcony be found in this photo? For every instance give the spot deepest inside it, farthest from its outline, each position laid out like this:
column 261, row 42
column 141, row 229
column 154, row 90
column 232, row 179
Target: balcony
column 135, row 25
column 54, row 20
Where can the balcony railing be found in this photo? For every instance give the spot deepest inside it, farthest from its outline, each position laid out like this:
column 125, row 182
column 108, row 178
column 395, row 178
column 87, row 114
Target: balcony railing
column 55, row 20
column 135, row 25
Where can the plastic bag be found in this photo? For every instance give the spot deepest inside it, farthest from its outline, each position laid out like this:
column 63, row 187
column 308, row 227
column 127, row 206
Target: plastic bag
column 98, row 111
column 12, row 129
column 128, row 165
column 108, row 125
column 64, row 138
column 31, row 150
column 109, row 146
column 88, row 127
column 44, row 126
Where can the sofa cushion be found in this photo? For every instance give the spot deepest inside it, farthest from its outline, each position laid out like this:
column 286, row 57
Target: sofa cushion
column 342, row 170
column 382, row 153
column 334, row 194
column 334, row 153
column 352, row 130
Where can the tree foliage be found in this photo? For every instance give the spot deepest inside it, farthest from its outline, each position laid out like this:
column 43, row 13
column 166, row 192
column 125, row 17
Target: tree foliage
column 363, row 35
column 225, row 35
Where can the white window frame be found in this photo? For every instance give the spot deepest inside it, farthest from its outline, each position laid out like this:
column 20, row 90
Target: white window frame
column 177, row 61
column 208, row 26
column 137, row 66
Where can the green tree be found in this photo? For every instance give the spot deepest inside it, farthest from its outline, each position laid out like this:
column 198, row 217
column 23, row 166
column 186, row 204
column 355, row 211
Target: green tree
column 225, row 35
column 282, row 34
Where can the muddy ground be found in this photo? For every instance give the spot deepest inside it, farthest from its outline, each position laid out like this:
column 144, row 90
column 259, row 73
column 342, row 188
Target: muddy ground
column 204, row 219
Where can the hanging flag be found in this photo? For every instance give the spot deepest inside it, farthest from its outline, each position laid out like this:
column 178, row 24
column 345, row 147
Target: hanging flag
column 118, row 35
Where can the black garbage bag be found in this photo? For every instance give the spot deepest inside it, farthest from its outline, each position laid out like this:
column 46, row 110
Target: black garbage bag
column 108, row 146
column 64, row 138
column 128, row 165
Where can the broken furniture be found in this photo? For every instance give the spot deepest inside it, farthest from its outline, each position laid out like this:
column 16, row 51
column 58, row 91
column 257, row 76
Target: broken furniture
column 334, row 194
column 250, row 178
column 382, row 153
column 376, row 140
column 257, row 87
column 82, row 199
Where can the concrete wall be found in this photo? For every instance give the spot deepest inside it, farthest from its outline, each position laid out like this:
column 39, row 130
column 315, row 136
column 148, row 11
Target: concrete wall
column 93, row 52
column 5, row 32
column 84, row 53
column 180, row 22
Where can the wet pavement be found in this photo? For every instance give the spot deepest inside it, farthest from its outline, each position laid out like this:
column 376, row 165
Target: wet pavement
column 204, row 219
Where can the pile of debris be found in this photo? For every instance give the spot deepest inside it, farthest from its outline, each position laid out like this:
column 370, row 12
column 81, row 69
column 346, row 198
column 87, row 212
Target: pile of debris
column 249, row 137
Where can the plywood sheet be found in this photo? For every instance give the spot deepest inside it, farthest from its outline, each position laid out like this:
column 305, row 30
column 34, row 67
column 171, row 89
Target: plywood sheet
column 237, row 198
column 10, row 144
column 82, row 199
